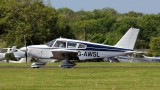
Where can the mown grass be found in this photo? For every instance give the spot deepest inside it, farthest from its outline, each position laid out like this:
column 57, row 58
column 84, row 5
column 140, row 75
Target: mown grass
column 119, row 76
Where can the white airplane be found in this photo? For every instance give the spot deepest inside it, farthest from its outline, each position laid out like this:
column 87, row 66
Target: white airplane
column 141, row 58
column 138, row 57
column 152, row 59
column 21, row 60
column 4, row 51
column 14, row 53
column 131, row 59
column 69, row 49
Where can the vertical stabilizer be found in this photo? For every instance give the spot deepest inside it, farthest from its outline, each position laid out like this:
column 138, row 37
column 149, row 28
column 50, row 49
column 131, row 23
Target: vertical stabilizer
column 129, row 39
column 13, row 49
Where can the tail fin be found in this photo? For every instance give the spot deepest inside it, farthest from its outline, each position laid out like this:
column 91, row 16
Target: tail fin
column 11, row 50
column 129, row 39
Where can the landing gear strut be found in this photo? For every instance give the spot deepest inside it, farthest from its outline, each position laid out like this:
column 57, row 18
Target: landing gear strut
column 67, row 63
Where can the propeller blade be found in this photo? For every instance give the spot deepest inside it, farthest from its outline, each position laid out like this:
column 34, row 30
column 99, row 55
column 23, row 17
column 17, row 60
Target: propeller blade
column 25, row 42
column 26, row 56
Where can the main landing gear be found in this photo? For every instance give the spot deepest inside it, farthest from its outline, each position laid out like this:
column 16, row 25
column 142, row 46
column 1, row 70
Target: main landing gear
column 67, row 63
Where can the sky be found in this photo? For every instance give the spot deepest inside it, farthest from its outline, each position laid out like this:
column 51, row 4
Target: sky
column 122, row 6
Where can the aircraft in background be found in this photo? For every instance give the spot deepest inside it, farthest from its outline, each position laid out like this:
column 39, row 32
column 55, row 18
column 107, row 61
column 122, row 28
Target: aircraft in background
column 137, row 58
column 4, row 51
column 69, row 49
column 152, row 59
column 17, row 55
column 21, row 60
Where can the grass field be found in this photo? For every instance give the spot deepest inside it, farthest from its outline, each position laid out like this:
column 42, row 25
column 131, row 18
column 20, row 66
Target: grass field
column 102, row 76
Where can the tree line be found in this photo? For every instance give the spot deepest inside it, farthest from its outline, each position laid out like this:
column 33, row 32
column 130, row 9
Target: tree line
column 40, row 23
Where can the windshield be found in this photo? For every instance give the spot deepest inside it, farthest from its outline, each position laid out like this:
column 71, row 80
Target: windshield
column 50, row 43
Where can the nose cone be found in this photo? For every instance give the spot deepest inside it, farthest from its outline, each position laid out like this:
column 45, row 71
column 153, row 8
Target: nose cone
column 24, row 49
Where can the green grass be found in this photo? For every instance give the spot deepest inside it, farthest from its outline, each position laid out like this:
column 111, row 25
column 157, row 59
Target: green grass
column 118, row 76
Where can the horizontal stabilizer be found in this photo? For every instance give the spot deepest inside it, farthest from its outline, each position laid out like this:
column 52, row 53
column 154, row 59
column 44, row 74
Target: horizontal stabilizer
column 130, row 52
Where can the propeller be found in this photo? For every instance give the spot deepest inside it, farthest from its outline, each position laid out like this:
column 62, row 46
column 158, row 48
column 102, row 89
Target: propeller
column 25, row 49
column 25, row 43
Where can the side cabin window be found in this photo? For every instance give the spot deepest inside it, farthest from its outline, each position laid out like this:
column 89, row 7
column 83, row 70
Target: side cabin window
column 60, row 44
column 82, row 46
column 64, row 44
column 71, row 45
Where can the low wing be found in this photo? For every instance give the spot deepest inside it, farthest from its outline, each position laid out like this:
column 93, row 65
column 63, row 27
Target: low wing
column 151, row 57
column 64, row 53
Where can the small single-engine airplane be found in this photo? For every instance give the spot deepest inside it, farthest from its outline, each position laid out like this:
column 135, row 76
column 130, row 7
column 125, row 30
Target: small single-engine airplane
column 69, row 49
column 4, row 51
column 16, row 55
column 152, row 59
column 138, row 58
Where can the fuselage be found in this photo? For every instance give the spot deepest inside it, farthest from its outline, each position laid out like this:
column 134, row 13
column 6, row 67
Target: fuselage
column 86, row 50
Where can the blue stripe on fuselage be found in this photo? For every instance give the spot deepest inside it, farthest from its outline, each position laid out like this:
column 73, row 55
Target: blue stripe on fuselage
column 99, row 47
column 104, row 48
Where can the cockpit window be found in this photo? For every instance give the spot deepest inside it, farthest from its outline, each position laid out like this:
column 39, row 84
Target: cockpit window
column 71, row 45
column 50, row 43
column 60, row 44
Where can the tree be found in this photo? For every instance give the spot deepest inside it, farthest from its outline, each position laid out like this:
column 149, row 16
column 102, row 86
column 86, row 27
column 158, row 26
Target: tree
column 105, row 12
column 27, row 17
column 155, row 45
column 64, row 22
column 148, row 26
